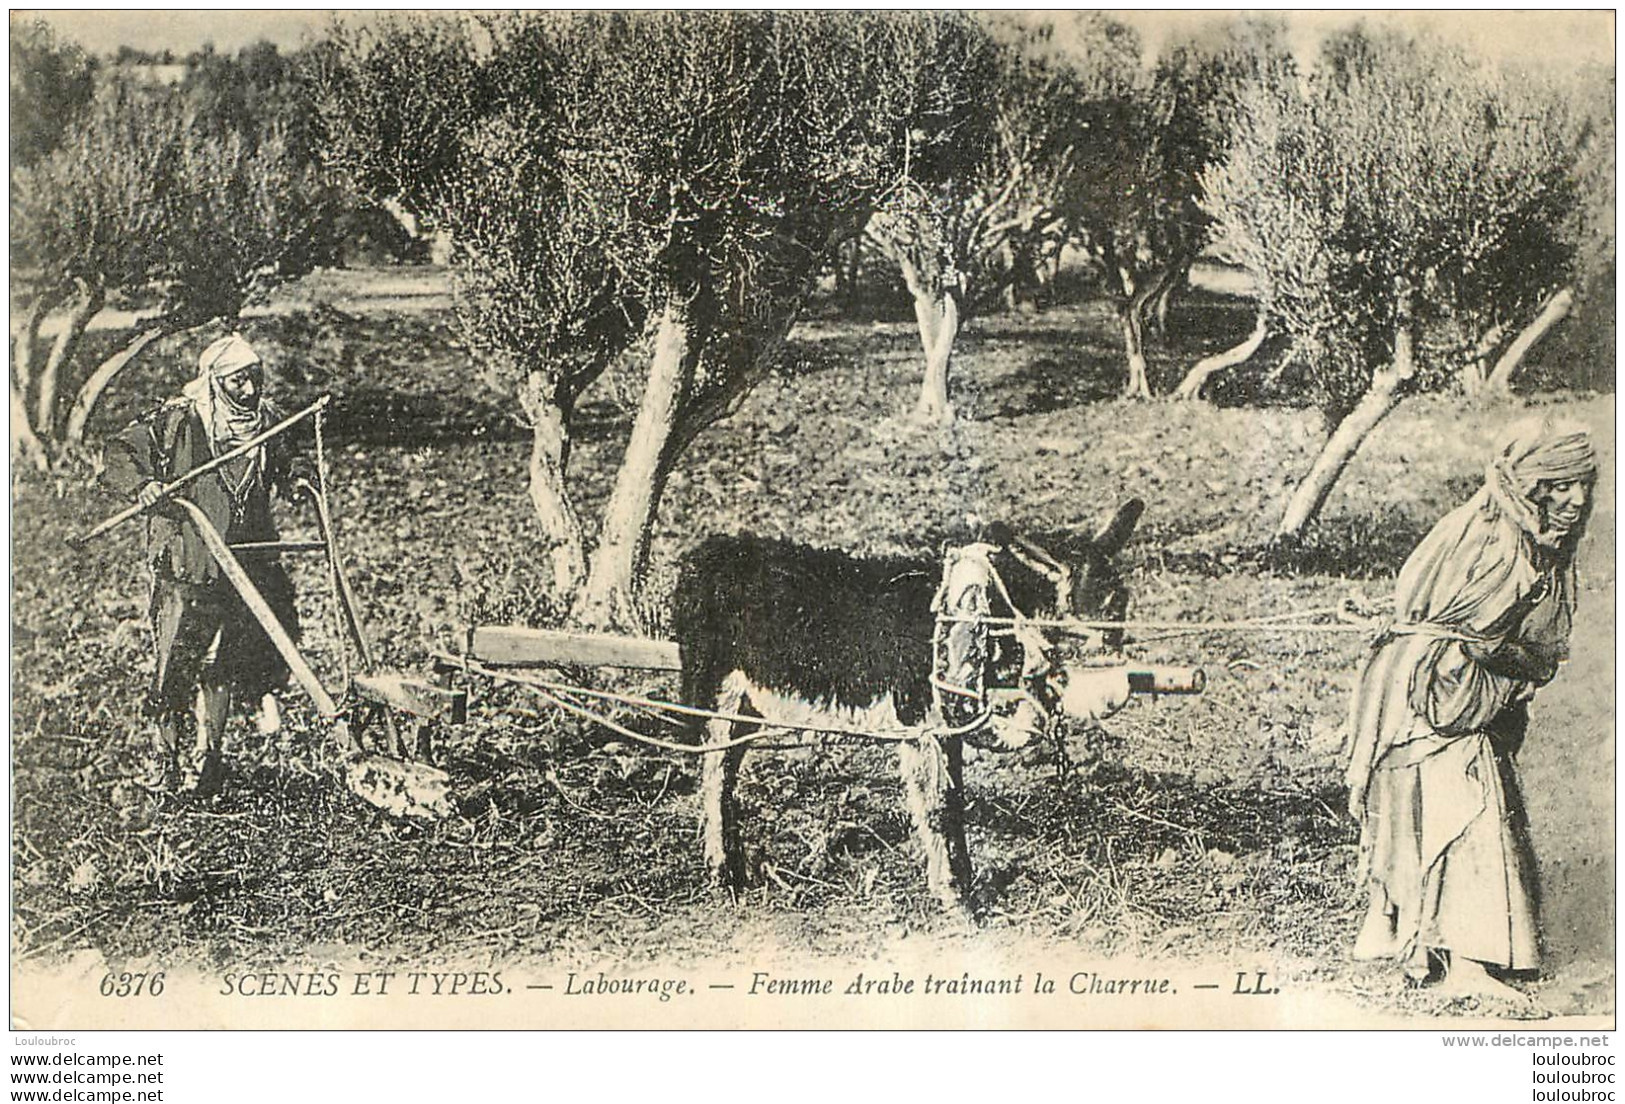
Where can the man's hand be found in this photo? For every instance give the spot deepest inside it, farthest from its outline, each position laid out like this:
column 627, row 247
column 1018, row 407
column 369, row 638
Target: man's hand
column 150, row 493
column 1095, row 693
column 304, row 488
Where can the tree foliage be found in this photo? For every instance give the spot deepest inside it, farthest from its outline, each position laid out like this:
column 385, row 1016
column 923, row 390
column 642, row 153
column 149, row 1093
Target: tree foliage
column 619, row 182
column 1400, row 164
column 1583, row 353
column 1391, row 206
column 1134, row 210
column 51, row 84
column 985, row 207
column 979, row 205
column 150, row 196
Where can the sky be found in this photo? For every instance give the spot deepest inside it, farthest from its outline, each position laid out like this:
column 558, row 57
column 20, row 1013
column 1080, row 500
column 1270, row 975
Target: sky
column 183, row 31
column 1549, row 37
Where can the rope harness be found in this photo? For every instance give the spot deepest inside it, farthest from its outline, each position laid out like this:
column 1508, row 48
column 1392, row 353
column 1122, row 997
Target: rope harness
column 989, row 667
column 567, row 697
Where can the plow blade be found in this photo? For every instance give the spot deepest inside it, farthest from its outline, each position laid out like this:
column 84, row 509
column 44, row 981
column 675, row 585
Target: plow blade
column 400, row 788
column 415, row 696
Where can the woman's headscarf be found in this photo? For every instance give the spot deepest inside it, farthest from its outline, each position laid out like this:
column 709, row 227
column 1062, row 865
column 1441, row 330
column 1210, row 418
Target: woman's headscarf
column 1539, row 450
column 1491, row 552
column 229, row 422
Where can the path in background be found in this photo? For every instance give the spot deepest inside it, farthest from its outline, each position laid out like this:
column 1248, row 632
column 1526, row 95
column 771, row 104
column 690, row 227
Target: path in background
column 363, row 290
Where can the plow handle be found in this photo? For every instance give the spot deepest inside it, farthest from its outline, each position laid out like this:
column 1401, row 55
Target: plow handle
column 1148, row 679
column 169, row 489
column 302, row 674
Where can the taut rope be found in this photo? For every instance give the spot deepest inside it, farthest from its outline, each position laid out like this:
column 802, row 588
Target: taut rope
column 552, row 691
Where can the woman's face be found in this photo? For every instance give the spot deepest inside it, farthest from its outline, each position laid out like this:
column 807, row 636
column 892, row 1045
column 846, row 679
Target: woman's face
column 1562, row 504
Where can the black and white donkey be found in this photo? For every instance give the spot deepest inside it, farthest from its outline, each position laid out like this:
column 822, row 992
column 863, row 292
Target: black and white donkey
column 809, row 636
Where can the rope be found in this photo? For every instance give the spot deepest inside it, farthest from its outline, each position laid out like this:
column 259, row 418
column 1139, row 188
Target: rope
column 551, row 690
column 1343, row 610
column 1070, row 625
column 614, row 726
column 1439, row 632
column 1017, row 617
column 978, row 691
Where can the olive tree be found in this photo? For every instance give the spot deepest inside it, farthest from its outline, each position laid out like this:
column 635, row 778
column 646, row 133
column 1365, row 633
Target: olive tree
column 143, row 196
column 1553, row 275
column 1004, row 198
column 51, row 85
column 52, row 81
column 982, row 202
column 1369, row 202
column 1207, row 78
column 1133, row 210
column 659, row 187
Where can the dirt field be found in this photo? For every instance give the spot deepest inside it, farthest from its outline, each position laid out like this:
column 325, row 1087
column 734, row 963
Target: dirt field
column 1189, row 829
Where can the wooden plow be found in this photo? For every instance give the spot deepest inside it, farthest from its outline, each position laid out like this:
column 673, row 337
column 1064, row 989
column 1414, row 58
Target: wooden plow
column 369, row 699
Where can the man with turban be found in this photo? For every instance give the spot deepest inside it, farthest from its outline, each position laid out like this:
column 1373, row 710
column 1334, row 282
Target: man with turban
column 209, row 647
column 1482, row 615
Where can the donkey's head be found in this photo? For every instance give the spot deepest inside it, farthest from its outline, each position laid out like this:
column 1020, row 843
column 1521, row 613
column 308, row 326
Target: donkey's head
column 1098, row 590
column 1073, row 578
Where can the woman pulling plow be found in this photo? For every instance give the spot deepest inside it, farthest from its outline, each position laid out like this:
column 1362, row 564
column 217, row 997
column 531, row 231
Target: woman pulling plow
column 1482, row 616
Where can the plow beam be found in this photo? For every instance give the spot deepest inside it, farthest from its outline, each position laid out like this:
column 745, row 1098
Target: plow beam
column 418, row 697
column 515, row 646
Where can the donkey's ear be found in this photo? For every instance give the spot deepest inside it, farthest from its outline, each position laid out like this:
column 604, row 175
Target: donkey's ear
column 998, row 533
column 1110, row 540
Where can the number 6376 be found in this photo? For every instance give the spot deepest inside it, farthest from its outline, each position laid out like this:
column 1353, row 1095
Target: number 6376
column 132, row 985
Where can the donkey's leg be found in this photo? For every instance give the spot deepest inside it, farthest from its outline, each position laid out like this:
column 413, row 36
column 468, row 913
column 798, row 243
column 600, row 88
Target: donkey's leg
column 719, row 813
column 930, row 773
column 953, row 817
column 724, row 852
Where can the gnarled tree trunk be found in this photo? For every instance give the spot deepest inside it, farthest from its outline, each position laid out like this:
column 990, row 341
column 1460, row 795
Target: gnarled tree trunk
column 84, row 405
column 1007, row 265
column 25, row 445
column 618, row 562
column 937, row 311
column 1476, row 370
column 1388, row 386
column 1556, row 309
column 1139, row 381
column 546, row 406
column 91, row 297
column 1132, row 314
column 1191, row 386
column 849, row 273
column 26, row 348
column 1163, row 302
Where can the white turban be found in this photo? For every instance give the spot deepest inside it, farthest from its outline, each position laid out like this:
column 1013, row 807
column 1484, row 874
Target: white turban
column 230, row 354
column 229, row 423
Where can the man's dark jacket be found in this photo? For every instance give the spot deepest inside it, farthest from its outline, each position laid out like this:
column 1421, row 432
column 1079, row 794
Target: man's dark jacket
column 165, row 446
